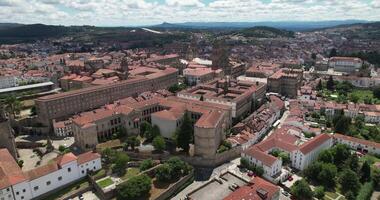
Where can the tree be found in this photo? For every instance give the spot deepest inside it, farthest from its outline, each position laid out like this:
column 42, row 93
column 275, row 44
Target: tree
column 341, row 153
column 284, row 157
column 145, row 127
column 354, row 98
column 146, row 164
column 61, row 148
column 376, row 176
column 13, row 105
column 333, row 53
column 121, row 132
column 155, row 131
column 319, row 192
column 343, row 124
column 20, row 163
column 353, row 162
column 185, row 133
column 108, row 154
column 134, row 188
column 312, row 171
column 330, row 84
column 326, row 156
column 327, row 175
column 319, row 86
column 301, row 190
column 376, row 92
column 164, row 173
column 349, row 181
column 33, row 111
column 159, row 143
column 244, row 162
column 365, row 172
column 350, row 196
column 132, row 141
column 121, row 161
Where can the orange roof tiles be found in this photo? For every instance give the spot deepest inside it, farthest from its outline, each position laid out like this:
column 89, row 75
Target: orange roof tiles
column 259, row 189
column 10, row 172
column 86, row 157
column 313, row 143
column 357, row 140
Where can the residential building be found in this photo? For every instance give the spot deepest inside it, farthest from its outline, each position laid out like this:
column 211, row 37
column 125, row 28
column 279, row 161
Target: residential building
column 257, row 189
column 195, row 76
column 358, row 144
column 345, row 64
column 65, row 169
column 8, row 81
column 63, row 128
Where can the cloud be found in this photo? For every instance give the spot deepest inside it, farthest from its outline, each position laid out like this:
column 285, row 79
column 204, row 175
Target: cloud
column 138, row 12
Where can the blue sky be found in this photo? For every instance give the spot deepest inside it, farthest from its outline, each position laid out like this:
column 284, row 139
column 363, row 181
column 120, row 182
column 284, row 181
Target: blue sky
column 146, row 12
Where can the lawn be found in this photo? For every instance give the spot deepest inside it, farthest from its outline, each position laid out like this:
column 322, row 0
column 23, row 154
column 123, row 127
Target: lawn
column 133, row 171
column 332, row 195
column 99, row 174
column 105, row 182
column 370, row 158
column 364, row 94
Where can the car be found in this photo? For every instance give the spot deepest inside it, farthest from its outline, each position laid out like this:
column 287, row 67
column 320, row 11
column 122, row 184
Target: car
column 250, row 174
column 81, row 197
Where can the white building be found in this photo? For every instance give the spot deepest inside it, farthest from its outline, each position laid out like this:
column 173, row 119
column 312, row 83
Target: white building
column 8, row 81
column 345, row 64
column 65, row 169
column 63, row 128
column 167, row 121
column 357, row 144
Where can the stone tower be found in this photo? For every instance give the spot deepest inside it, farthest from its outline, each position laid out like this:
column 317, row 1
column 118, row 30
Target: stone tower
column 7, row 139
column 124, row 67
column 219, row 57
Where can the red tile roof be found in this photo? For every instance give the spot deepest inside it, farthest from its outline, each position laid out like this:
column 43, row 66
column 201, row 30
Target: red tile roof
column 87, row 157
column 357, row 140
column 10, row 172
column 259, row 189
column 314, row 143
column 265, row 158
column 66, row 158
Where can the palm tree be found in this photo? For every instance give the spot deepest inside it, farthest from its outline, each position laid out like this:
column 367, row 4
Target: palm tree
column 13, row 105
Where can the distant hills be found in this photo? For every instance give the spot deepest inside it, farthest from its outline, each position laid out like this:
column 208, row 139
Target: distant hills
column 264, row 32
column 287, row 25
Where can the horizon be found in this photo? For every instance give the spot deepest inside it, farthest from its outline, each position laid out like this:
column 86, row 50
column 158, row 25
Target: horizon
column 116, row 13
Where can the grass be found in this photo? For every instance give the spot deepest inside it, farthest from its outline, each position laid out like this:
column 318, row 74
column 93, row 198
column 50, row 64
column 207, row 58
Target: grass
column 332, row 195
column 131, row 172
column 370, row 158
column 70, row 188
column 99, row 174
column 105, row 182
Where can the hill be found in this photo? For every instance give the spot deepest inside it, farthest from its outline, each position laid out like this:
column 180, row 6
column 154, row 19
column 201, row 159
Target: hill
column 264, row 32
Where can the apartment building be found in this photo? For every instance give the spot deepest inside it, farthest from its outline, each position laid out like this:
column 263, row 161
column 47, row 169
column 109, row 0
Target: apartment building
column 358, row 144
column 63, row 105
column 287, row 139
column 63, row 128
column 286, row 82
column 345, row 64
column 8, row 81
column 18, row 185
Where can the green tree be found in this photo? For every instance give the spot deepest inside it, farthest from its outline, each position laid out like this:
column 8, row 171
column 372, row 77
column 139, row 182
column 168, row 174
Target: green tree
column 159, row 143
column 327, row 175
column 61, row 148
column 376, row 92
column 330, row 84
column 326, row 156
column 365, row 172
column 145, row 127
column 13, row 105
column 354, row 98
column 353, row 162
column 376, row 176
column 349, row 181
column 350, row 195
column 244, row 162
column 155, row 132
column 108, row 154
column 301, row 190
column 319, row 192
column 120, row 164
column 164, row 173
column 185, row 133
column 134, row 188
column 333, row 53
column 146, row 164
column 312, row 171
column 320, row 85
column 285, row 157
column 133, row 142
column 342, row 125
column 341, row 153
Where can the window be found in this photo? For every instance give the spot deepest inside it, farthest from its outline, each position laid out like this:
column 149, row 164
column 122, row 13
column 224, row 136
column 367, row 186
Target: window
column 17, row 193
column 60, row 178
column 48, row 183
column 94, row 167
column 82, row 171
column 22, row 197
column 23, row 190
column 35, row 188
column 7, row 189
column 69, row 169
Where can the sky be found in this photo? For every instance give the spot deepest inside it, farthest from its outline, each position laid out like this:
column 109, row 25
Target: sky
column 148, row 12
